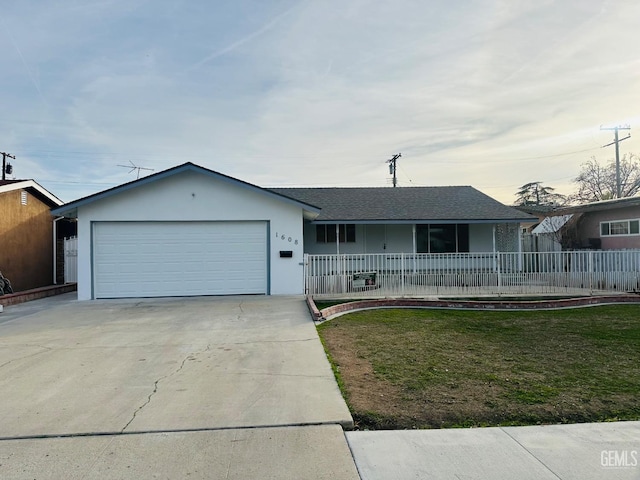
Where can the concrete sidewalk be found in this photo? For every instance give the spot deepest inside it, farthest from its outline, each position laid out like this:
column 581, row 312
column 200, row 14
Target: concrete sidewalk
column 566, row 452
column 305, row 453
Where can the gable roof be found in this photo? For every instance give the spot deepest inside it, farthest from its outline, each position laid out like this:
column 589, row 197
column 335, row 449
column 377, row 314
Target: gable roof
column 405, row 205
column 32, row 187
column 71, row 209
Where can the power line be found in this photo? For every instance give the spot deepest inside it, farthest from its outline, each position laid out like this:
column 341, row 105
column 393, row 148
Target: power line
column 406, row 175
column 310, row 157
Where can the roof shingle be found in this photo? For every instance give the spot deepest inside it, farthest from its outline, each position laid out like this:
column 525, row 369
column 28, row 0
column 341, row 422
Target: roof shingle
column 424, row 204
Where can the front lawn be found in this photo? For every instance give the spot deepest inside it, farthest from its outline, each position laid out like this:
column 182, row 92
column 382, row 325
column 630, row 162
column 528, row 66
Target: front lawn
column 411, row 368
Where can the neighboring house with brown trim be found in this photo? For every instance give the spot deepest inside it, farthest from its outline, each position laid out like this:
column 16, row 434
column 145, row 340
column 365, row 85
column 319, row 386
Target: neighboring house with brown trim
column 26, row 233
column 607, row 225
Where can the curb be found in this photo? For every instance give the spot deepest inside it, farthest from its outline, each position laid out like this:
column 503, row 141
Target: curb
column 502, row 305
column 35, row 294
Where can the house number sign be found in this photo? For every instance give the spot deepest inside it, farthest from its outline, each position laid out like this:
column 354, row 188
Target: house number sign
column 284, row 237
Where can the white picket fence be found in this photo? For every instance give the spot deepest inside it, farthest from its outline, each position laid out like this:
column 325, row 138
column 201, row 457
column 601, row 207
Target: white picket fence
column 403, row 274
column 71, row 260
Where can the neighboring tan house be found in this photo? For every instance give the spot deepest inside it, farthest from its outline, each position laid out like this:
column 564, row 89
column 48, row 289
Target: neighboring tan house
column 192, row 231
column 606, row 225
column 26, row 234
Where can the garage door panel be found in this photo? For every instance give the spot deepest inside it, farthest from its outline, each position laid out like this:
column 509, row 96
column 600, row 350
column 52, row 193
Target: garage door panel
column 150, row 259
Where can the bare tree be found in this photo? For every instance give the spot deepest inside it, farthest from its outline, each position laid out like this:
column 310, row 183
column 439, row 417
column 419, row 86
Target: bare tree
column 598, row 182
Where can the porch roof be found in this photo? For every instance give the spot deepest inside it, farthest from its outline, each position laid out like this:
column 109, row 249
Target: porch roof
column 455, row 204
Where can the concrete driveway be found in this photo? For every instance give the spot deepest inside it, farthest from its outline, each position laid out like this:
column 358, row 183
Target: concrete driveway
column 165, row 388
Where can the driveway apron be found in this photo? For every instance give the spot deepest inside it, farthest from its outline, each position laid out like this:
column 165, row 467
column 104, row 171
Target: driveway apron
column 147, row 375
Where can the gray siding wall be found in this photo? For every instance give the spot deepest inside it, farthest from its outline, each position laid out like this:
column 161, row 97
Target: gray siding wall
column 390, row 239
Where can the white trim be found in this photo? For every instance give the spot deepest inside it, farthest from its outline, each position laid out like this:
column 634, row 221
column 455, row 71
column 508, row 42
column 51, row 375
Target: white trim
column 30, row 184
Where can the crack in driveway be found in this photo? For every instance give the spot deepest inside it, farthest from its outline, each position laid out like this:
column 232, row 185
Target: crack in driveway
column 44, row 349
column 190, row 356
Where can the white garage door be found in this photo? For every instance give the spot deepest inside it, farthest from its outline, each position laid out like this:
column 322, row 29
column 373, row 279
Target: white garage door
column 158, row 259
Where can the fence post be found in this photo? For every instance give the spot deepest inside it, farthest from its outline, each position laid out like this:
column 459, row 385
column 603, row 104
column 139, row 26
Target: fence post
column 305, row 273
column 498, row 261
column 402, row 272
column 591, row 272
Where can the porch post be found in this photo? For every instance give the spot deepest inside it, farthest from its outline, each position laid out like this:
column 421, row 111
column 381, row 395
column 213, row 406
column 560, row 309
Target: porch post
column 413, row 232
column 495, row 257
column 415, row 248
column 494, row 238
column 519, row 248
column 340, row 269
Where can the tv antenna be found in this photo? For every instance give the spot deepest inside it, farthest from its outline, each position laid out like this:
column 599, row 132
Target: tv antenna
column 134, row 167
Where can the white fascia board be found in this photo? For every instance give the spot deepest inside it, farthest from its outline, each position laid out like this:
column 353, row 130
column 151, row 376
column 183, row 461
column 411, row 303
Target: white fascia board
column 31, row 184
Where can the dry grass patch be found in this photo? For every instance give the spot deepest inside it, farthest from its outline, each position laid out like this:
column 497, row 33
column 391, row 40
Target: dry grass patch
column 434, row 368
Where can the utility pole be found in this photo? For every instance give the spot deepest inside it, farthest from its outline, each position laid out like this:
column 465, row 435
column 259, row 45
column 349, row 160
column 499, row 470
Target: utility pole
column 392, row 168
column 6, row 168
column 616, row 141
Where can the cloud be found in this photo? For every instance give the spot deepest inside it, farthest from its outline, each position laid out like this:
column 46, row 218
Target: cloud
column 480, row 92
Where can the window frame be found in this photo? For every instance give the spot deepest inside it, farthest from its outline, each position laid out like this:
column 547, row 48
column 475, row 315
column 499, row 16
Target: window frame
column 326, row 233
column 607, row 229
column 460, row 237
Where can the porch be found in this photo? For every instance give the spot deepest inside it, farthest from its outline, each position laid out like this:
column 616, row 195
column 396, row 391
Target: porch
column 492, row 273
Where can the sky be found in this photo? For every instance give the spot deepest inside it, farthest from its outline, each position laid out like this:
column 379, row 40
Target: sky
column 488, row 93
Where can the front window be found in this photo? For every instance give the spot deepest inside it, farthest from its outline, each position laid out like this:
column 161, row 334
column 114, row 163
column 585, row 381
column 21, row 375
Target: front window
column 442, row 238
column 327, row 233
column 620, row 227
